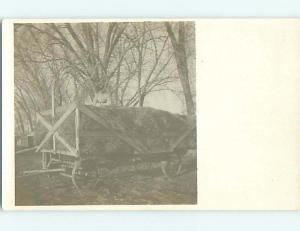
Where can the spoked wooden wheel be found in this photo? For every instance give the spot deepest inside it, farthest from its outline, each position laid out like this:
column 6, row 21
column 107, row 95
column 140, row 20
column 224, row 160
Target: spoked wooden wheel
column 172, row 166
column 85, row 175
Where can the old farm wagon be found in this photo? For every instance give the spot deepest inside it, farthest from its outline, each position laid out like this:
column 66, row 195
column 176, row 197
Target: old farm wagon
column 80, row 141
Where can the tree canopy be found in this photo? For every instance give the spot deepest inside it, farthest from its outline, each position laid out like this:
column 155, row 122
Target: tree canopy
column 128, row 60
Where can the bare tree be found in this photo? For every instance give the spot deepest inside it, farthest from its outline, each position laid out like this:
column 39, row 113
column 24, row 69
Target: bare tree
column 129, row 60
column 151, row 59
column 181, row 60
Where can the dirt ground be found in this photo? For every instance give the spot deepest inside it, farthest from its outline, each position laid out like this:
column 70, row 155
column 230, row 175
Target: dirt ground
column 132, row 186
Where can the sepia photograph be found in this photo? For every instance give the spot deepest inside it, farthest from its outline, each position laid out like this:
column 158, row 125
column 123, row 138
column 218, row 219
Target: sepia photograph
column 105, row 113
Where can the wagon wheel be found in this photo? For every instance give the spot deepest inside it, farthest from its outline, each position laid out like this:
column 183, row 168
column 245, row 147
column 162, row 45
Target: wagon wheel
column 86, row 174
column 171, row 167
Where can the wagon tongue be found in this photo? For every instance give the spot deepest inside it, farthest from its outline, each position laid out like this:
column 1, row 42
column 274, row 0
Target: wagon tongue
column 43, row 171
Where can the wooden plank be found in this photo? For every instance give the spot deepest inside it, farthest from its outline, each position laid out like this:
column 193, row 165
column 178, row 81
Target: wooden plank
column 66, row 144
column 59, row 152
column 53, row 113
column 58, row 137
column 54, row 141
column 26, row 150
column 57, row 125
column 99, row 120
column 42, row 171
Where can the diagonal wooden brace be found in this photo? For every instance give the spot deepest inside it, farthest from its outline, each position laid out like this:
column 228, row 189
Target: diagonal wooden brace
column 58, row 137
column 57, row 125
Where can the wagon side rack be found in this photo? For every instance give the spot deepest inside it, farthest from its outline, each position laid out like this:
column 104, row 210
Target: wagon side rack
column 69, row 162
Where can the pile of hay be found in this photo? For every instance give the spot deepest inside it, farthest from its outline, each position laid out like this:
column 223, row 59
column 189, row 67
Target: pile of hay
column 149, row 129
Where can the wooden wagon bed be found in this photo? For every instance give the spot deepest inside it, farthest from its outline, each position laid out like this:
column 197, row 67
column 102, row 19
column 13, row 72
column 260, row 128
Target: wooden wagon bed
column 78, row 134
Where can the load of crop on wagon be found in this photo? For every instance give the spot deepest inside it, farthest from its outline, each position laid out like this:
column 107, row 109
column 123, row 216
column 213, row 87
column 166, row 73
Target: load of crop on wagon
column 151, row 130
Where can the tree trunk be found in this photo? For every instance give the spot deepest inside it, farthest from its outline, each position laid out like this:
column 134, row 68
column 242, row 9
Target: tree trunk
column 141, row 100
column 181, row 62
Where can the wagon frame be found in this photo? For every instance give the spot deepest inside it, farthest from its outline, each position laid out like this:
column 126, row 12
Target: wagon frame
column 70, row 162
